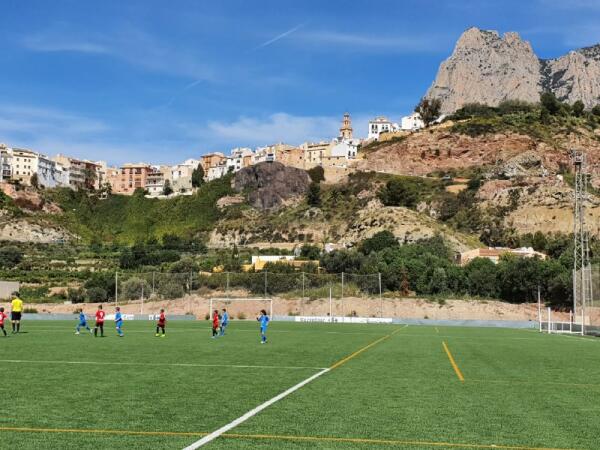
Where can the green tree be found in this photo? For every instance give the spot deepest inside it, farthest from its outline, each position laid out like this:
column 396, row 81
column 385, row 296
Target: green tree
column 379, row 241
column 313, row 197
column 311, row 252
column 439, row 281
column 481, row 278
column 578, row 108
column 198, row 176
column 316, row 174
column 34, row 181
column 550, row 103
column 429, row 109
column 399, row 192
column 167, row 189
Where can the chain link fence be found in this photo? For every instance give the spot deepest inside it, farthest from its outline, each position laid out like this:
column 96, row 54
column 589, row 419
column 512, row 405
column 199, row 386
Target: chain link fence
column 302, row 293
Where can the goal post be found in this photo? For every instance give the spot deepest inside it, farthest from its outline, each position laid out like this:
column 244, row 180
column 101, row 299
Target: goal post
column 249, row 302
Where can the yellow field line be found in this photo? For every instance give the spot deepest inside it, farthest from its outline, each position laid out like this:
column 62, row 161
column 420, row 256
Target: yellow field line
column 97, row 431
column 365, row 348
column 391, row 442
column 454, row 365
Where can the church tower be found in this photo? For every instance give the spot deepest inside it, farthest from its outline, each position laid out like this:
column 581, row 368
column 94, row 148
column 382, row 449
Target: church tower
column 346, row 129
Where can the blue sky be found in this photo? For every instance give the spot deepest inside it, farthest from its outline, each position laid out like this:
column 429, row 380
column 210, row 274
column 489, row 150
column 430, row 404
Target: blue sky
column 161, row 81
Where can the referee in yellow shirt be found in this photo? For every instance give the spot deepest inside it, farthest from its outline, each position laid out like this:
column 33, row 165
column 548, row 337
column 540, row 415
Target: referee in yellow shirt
column 16, row 310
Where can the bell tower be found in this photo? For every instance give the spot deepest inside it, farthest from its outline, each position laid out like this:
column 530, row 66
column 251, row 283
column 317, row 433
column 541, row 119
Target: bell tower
column 346, row 128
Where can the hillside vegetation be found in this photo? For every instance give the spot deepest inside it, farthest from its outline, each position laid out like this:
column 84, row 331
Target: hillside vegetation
column 127, row 219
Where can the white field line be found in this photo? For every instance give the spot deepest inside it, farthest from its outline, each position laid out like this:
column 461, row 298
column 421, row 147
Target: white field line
column 115, row 363
column 224, row 429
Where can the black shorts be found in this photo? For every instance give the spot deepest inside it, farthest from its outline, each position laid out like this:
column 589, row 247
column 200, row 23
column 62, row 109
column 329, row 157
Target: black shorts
column 15, row 315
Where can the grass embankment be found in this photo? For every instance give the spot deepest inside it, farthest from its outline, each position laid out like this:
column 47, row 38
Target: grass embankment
column 126, row 219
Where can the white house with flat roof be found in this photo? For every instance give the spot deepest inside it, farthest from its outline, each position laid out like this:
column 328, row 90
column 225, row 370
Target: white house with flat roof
column 380, row 125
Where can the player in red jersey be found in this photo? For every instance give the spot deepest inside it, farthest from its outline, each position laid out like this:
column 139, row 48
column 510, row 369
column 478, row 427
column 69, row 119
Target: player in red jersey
column 99, row 321
column 3, row 316
column 215, row 324
column 162, row 320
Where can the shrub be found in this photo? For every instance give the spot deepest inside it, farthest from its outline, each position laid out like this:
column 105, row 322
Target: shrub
column 76, row 295
column 30, row 310
column 241, row 316
column 133, row 288
column 10, row 256
column 96, row 295
column 171, row 289
column 399, row 192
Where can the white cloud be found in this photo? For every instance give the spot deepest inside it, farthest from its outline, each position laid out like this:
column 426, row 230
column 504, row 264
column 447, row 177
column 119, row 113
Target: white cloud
column 132, row 45
column 40, row 43
column 279, row 36
column 278, row 127
column 370, row 42
column 28, row 119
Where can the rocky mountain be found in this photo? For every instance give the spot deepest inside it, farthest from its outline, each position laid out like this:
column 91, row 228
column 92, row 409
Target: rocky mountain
column 488, row 68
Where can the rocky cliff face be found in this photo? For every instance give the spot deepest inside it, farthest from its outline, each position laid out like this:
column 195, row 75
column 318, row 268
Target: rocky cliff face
column 270, row 184
column 488, row 68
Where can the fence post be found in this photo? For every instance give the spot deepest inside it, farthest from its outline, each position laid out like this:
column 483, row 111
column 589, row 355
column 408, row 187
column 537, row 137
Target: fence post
column 342, row 296
column 142, row 307
column 539, row 308
column 153, row 284
column 116, row 287
column 302, row 299
column 330, row 306
column 380, row 297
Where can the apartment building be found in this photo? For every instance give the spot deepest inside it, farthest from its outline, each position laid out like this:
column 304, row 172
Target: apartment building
column 316, row 152
column 83, row 174
column 5, row 163
column 155, row 181
column 211, row 160
column 130, row 177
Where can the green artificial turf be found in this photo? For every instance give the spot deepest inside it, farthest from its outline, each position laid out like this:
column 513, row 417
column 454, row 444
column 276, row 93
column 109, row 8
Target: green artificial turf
column 521, row 389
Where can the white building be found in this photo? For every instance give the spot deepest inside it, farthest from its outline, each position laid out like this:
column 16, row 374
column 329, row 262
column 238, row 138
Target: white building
column 5, row 163
column 380, row 125
column 346, row 149
column 217, row 171
column 412, row 122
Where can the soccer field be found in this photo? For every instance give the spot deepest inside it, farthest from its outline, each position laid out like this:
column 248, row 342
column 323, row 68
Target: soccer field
column 388, row 386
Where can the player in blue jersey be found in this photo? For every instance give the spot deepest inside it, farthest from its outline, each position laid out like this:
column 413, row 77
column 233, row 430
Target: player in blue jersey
column 119, row 321
column 224, row 322
column 82, row 323
column 264, row 322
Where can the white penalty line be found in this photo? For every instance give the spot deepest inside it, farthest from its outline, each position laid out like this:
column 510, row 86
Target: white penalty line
column 224, row 429
column 115, row 363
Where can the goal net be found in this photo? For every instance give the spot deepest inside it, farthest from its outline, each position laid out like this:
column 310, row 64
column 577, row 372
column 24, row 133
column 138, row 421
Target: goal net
column 241, row 308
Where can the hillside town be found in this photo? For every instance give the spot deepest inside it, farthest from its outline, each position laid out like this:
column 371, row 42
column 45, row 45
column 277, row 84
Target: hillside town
column 31, row 168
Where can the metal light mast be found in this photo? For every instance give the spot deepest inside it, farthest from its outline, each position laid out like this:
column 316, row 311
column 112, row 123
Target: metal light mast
column 582, row 271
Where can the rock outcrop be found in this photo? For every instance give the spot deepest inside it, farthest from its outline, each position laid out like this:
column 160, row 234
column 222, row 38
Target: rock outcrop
column 488, row 68
column 269, row 185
